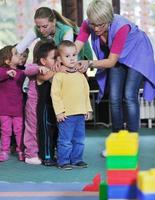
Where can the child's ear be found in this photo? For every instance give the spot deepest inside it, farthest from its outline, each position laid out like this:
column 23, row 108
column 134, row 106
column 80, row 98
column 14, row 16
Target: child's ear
column 7, row 62
column 43, row 61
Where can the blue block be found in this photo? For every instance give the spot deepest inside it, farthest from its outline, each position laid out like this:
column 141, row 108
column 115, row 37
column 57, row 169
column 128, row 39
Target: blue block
column 145, row 196
column 122, row 192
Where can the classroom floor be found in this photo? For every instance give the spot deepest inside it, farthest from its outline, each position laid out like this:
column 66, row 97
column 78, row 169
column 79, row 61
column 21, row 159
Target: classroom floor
column 18, row 176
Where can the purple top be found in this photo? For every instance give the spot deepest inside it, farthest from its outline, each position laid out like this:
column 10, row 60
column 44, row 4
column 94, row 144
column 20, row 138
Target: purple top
column 11, row 95
column 137, row 54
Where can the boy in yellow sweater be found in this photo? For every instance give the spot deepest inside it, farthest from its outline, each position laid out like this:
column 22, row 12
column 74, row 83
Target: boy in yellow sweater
column 70, row 96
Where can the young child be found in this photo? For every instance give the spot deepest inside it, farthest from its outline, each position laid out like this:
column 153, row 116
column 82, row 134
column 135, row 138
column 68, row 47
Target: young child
column 24, row 57
column 70, row 96
column 30, row 132
column 47, row 127
column 11, row 101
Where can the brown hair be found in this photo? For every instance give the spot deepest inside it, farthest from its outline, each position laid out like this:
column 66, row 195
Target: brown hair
column 5, row 54
column 51, row 14
column 42, row 49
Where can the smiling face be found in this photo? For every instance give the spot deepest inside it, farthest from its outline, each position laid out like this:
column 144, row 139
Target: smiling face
column 100, row 15
column 45, row 26
column 99, row 29
column 68, row 56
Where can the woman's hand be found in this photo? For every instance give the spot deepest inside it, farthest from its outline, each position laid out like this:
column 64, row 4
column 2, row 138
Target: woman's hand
column 57, row 66
column 82, row 66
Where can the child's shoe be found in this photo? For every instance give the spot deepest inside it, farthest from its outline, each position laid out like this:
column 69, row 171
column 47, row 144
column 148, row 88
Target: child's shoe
column 80, row 164
column 104, row 153
column 33, row 161
column 21, row 156
column 49, row 162
column 4, row 156
column 65, row 166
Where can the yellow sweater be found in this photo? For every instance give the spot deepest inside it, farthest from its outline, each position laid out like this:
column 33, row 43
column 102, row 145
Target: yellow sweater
column 70, row 94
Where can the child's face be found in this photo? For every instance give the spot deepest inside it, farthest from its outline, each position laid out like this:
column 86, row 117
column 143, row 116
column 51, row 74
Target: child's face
column 68, row 56
column 49, row 61
column 16, row 58
column 24, row 57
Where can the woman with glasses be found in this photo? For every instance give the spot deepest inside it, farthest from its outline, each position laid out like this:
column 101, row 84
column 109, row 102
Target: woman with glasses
column 126, row 51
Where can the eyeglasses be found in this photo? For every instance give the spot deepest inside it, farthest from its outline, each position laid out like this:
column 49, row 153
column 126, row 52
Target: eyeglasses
column 97, row 25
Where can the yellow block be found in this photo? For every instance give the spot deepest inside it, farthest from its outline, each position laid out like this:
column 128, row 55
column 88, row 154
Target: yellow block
column 122, row 143
column 146, row 181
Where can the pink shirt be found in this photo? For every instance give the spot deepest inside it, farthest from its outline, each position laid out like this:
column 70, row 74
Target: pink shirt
column 11, row 95
column 118, row 42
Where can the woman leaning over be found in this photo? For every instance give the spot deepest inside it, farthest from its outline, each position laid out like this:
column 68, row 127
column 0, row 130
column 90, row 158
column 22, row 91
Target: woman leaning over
column 126, row 50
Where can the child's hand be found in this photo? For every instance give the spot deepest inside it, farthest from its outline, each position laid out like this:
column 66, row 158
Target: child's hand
column 61, row 117
column 43, row 70
column 11, row 73
column 88, row 116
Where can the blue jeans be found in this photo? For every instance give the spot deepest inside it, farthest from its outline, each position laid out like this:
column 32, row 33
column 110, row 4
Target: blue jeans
column 124, row 84
column 71, row 138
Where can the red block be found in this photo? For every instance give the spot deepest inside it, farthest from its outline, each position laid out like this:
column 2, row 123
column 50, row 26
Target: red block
column 93, row 187
column 122, row 177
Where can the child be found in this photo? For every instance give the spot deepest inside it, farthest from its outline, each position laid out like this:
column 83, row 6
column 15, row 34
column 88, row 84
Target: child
column 47, row 128
column 30, row 133
column 11, row 101
column 70, row 96
column 24, row 57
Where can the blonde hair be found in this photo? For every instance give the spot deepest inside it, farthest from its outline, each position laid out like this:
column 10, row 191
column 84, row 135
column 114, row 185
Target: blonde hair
column 100, row 11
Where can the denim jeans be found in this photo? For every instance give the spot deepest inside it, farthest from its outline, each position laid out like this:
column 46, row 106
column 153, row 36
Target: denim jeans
column 124, row 85
column 71, row 138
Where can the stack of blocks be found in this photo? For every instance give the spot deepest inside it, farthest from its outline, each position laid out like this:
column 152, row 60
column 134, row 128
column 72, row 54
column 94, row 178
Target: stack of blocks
column 122, row 164
column 146, row 185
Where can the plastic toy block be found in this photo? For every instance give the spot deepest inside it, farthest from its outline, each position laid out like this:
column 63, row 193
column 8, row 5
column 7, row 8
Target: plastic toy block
column 145, row 196
column 146, row 181
column 122, row 143
column 122, row 192
column 93, row 187
column 103, row 192
column 122, row 162
column 122, row 177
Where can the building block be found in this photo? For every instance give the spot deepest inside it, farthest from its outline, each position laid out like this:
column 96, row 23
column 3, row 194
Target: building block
column 94, row 187
column 145, row 196
column 103, row 192
column 146, row 181
column 121, row 162
column 122, row 143
column 122, row 177
column 122, row 192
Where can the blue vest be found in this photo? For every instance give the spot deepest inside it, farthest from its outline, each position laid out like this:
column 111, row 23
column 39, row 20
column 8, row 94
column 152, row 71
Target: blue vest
column 137, row 54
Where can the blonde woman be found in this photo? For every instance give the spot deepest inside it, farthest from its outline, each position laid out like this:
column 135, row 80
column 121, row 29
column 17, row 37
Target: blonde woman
column 127, row 52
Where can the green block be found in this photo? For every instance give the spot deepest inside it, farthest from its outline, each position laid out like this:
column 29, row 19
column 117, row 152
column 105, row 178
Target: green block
column 122, row 162
column 103, row 193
